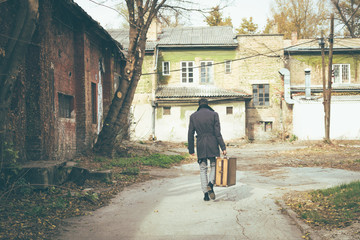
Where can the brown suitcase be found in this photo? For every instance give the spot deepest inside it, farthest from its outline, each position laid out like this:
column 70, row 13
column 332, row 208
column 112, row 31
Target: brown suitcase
column 225, row 172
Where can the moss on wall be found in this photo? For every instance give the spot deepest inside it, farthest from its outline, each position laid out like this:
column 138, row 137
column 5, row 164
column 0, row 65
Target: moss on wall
column 175, row 56
column 315, row 62
column 145, row 83
column 159, row 112
column 183, row 110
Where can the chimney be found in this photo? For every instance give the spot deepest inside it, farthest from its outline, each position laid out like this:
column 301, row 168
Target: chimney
column 307, row 83
column 294, row 38
column 154, row 29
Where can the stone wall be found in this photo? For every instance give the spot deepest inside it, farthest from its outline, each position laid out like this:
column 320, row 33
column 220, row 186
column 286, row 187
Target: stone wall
column 260, row 57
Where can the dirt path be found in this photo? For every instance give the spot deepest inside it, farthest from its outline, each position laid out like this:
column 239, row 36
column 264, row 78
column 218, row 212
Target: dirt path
column 171, row 207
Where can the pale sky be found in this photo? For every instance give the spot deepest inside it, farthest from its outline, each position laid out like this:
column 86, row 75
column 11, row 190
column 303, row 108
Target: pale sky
column 258, row 9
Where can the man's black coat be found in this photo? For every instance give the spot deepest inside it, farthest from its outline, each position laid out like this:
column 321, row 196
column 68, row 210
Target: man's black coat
column 205, row 122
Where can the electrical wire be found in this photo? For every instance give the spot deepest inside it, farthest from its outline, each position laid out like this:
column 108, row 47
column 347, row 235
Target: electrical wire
column 240, row 59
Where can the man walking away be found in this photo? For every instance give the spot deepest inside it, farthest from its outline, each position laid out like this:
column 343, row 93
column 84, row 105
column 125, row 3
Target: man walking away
column 205, row 122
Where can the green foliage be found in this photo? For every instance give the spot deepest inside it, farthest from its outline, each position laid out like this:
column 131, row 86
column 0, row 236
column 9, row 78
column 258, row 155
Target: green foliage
column 11, row 155
column 215, row 18
column 161, row 160
column 247, row 27
column 9, row 175
column 130, row 166
column 293, row 138
column 155, row 160
column 100, row 159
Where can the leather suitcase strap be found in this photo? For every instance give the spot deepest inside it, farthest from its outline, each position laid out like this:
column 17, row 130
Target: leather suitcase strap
column 222, row 171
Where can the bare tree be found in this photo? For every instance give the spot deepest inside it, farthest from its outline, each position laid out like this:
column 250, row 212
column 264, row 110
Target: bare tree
column 347, row 12
column 141, row 13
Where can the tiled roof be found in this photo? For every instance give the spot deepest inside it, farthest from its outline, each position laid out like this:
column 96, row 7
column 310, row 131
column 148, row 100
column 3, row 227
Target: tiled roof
column 340, row 44
column 196, row 92
column 198, row 36
column 184, row 37
column 122, row 36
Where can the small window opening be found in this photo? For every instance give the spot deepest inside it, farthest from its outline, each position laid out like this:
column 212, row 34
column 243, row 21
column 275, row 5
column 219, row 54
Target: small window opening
column 267, row 126
column 167, row 110
column 66, row 105
column 229, row 110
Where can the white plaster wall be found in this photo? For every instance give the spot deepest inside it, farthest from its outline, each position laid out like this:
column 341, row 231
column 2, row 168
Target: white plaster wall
column 308, row 120
column 174, row 127
column 141, row 125
column 232, row 126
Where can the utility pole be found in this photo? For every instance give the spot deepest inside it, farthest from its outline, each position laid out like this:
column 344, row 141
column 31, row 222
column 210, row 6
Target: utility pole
column 322, row 46
column 327, row 90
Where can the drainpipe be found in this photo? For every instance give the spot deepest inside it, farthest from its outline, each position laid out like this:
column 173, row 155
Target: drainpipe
column 307, row 83
column 287, row 94
column 153, row 89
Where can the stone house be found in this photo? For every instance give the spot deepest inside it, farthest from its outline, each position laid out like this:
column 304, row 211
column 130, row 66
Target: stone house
column 238, row 74
column 66, row 83
column 303, row 60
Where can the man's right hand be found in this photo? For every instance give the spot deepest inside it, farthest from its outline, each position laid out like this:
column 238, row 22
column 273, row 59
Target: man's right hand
column 224, row 152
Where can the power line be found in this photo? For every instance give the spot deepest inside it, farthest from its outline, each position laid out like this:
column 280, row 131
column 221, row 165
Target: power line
column 240, row 59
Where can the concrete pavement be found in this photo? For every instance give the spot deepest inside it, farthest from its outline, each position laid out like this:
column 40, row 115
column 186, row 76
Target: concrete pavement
column 172, row 207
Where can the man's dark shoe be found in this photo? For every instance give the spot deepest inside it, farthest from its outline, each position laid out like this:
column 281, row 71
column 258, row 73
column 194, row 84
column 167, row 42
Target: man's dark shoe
column 210, row 188
column 206, row 197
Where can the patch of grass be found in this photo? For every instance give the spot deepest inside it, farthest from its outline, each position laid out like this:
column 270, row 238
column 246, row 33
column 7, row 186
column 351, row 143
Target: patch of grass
column 161, row 160
column 357, row 161
column 125, row 162
column 154, row 160
column 332, row 207
column 100, row 159
column 131, row 171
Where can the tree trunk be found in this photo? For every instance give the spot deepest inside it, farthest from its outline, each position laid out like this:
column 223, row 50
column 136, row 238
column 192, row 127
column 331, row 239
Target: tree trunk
column 17, row 43
column 115, row 125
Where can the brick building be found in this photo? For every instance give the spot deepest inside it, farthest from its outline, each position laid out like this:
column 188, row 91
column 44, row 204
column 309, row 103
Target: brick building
column 66, row 83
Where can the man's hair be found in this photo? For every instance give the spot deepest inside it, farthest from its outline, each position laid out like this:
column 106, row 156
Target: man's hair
column 203, row 101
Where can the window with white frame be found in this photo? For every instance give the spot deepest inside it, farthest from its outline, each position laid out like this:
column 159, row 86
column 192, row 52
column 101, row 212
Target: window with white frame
column 228, row 66
column 206, row 72
column 341, row 73
column 187, row 72
column 166, row 68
